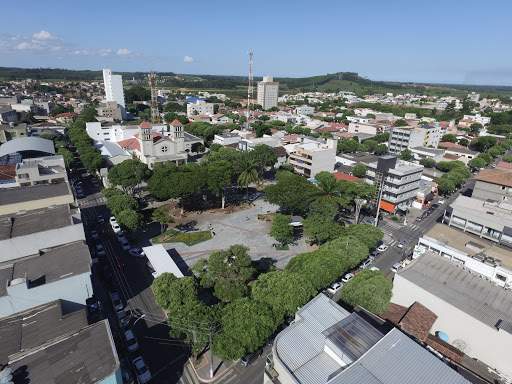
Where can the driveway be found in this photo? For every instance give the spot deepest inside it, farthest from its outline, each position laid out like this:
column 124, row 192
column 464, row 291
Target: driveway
column 241, row 227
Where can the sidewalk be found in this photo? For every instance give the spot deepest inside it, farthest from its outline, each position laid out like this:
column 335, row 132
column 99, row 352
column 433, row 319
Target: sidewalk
column 201, row 368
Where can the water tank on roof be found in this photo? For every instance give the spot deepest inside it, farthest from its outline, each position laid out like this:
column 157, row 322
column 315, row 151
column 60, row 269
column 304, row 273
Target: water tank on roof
column 442, row 335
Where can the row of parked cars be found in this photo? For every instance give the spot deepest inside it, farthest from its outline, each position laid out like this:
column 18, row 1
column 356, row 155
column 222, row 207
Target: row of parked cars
column 367, row 264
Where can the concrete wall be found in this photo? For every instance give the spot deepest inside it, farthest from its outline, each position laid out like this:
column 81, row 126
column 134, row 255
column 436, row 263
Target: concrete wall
column 487, row 191
column 75, row 288
column 7, row 209
column 483, row 342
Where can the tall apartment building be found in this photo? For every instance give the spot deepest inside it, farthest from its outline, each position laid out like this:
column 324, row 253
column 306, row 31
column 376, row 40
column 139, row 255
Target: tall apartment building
column 409, row 137
column 113, row 87
column 308, row 159
column 399, row 180
column 268, row 90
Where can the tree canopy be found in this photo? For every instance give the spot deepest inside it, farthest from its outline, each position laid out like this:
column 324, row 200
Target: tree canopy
column 281, row 229
column 128, row 174
column 370, row 290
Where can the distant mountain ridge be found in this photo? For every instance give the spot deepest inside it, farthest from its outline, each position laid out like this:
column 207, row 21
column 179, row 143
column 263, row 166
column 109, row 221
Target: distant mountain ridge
column 340, row 81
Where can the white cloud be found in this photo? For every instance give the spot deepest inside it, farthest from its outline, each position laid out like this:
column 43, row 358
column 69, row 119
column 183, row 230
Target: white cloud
column 123, row 52
column 104, row 51
column 25, row 46
column 188, row 59
column 43, row 35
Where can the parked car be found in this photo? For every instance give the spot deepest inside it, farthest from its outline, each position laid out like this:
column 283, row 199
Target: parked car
column 347, row 277
column 143, row 374
column 123, row 317
column 116, row 301
column 94, row 311
column 100, row 251
column 94, row 235
column 365, row 264
column 131, row 340
column 249, row 358
column 112, row 220
column 115, row 227
column 400, row 245
column 396, row 267
column 333, row 289
column 441, row 202
column 382, row 248
column 136, row 252
column 374, row 268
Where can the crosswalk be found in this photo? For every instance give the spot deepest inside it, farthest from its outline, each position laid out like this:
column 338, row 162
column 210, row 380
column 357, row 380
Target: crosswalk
column 392, row 226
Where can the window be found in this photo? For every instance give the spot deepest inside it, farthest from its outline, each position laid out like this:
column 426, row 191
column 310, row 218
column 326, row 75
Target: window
column 164, row 148
column 501, row 277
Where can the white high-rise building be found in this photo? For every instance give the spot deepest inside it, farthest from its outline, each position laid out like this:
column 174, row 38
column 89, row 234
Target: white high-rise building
column 113, row 87
column 268, row 90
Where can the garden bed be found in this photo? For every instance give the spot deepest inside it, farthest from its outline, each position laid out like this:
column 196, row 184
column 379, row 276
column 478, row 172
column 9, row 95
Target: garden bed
column 175, row 236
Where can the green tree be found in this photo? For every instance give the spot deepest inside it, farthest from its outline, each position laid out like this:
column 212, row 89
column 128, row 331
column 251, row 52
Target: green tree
column 66, row 154
column 163, row 216
column 129, row 174
column 475, row 128
column 359, row 170
column 477, row 163
column 449, row 137
column 129, row 219
column 118, row 202
column 347, row 146
column 428, row 162
column 507, row 158
column 281, row 229
column 227, row 272
column 246, row 326
column 464, row 142
column 292, row 193
column 366, row 233
column 263, row 156
column 370, row 290
column 381, row 149
column 400, row 123
column 483, row 143
column 284, row 292
column 220, row 174
column 406, row 155
column 319, row 229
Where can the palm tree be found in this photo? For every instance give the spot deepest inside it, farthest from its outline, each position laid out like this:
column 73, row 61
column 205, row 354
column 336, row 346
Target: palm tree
column 249, row 175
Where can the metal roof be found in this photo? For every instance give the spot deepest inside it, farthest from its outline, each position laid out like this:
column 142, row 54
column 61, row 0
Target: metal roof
column 468, row 292
column 31, row 143
column 396, row 359
column 161, row 261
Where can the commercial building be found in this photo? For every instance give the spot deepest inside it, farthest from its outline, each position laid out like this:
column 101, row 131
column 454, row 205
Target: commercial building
column 473, row 314
column 26, row 147
column 398, row 182
column 61, row 272
column 7, row 114
column 493, row 184
column 113, row 88
column 327, row 344
column 421, row 153
column 226, row 138
column 305, row 110
column 367, row 128
column 53, row 343
column 41, row 170
column 409, row 137
column 109, row 111
column 268, row 91
column 308, row 159
column 487, row 219
column 458, row 152
column 200, row 108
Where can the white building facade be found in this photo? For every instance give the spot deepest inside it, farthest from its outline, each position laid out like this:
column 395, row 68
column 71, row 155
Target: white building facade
column 113, row 87
column 268, row 91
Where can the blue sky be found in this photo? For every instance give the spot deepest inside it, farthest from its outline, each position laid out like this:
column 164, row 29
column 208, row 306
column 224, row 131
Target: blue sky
column 458, row 41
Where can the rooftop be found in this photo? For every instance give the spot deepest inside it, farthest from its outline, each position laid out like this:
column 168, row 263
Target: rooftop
column 433, row 151
column 36, row 192
column 48, row 266
column 491, row 214
column 25, row 223
column 327, row 344
column 499, row 176
column 468, row 292
column 85, row 357
column 36, row 326
column 457, row 239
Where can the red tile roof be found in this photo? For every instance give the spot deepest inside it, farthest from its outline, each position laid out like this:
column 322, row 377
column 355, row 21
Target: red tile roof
column 7, row 172
column 345, row 176
column 450, row 145
column 145, row 124
column 176, row 123
column 131, row 143
column 498, row 176
column 504, row 165
column 418, row 321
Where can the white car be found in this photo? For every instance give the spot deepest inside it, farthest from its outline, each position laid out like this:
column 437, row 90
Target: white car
column 115, row 227
column 112, row 219
column 366, row 263
column 347, row 277
column 396, row 267
column 136, row 252
column 131, row 340
column 374, row 269
column 400, row 245
column 116, row 301
column 440, row 202
column 333, row 289
column 143, row 374
column 382, row 248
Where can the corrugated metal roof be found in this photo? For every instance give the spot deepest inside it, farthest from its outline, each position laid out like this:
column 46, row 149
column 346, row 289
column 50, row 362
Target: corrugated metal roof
column 396, row 359
column 30, row 143
column 469, row 293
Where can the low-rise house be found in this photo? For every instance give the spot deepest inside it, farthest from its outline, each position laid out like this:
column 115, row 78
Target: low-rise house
column 458, row 152
column 420, row 153
column 368, row 128
column 219, row 118
column 12, row 131
column 226, row 139
column 305, row 110
column 200, row 107
column 493, row 184
column 7, row 114
column 326, row 344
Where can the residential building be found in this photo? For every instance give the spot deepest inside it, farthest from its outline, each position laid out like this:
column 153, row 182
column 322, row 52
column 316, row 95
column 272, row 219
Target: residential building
column 458, row 152
column 398, row 182
column 113, row 88
column 326, row 344
column 409, row 137
column 491, row 220
column 41, row 170
column 219, row 118
column 53, row 343
column 311, row 158
column 305, row 110
column 493, row 184
column 367, row 128
column 477, row 118
column 109, row 111
column 226, row 139
column 12, row 131
column 7, row 114
column 268, row 91
column 62, row 272
column 200, row 108
column 472, row 313
column 420, row 153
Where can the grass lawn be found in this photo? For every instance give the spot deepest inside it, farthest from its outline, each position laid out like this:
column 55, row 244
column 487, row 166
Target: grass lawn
column 175, row 236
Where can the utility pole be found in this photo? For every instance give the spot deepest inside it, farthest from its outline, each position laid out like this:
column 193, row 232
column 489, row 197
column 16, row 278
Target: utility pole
column 210, row 354
column 155, row 114
column 250, row 91
column 379, row 178
column 359, row 204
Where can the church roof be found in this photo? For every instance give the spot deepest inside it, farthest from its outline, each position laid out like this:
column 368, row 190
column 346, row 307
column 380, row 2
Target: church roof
column 145, row 124
column 131, row 143
column 176, row 123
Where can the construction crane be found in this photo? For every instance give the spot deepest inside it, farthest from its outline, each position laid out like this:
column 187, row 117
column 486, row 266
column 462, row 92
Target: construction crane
column 250, row 92
column 155, row 113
